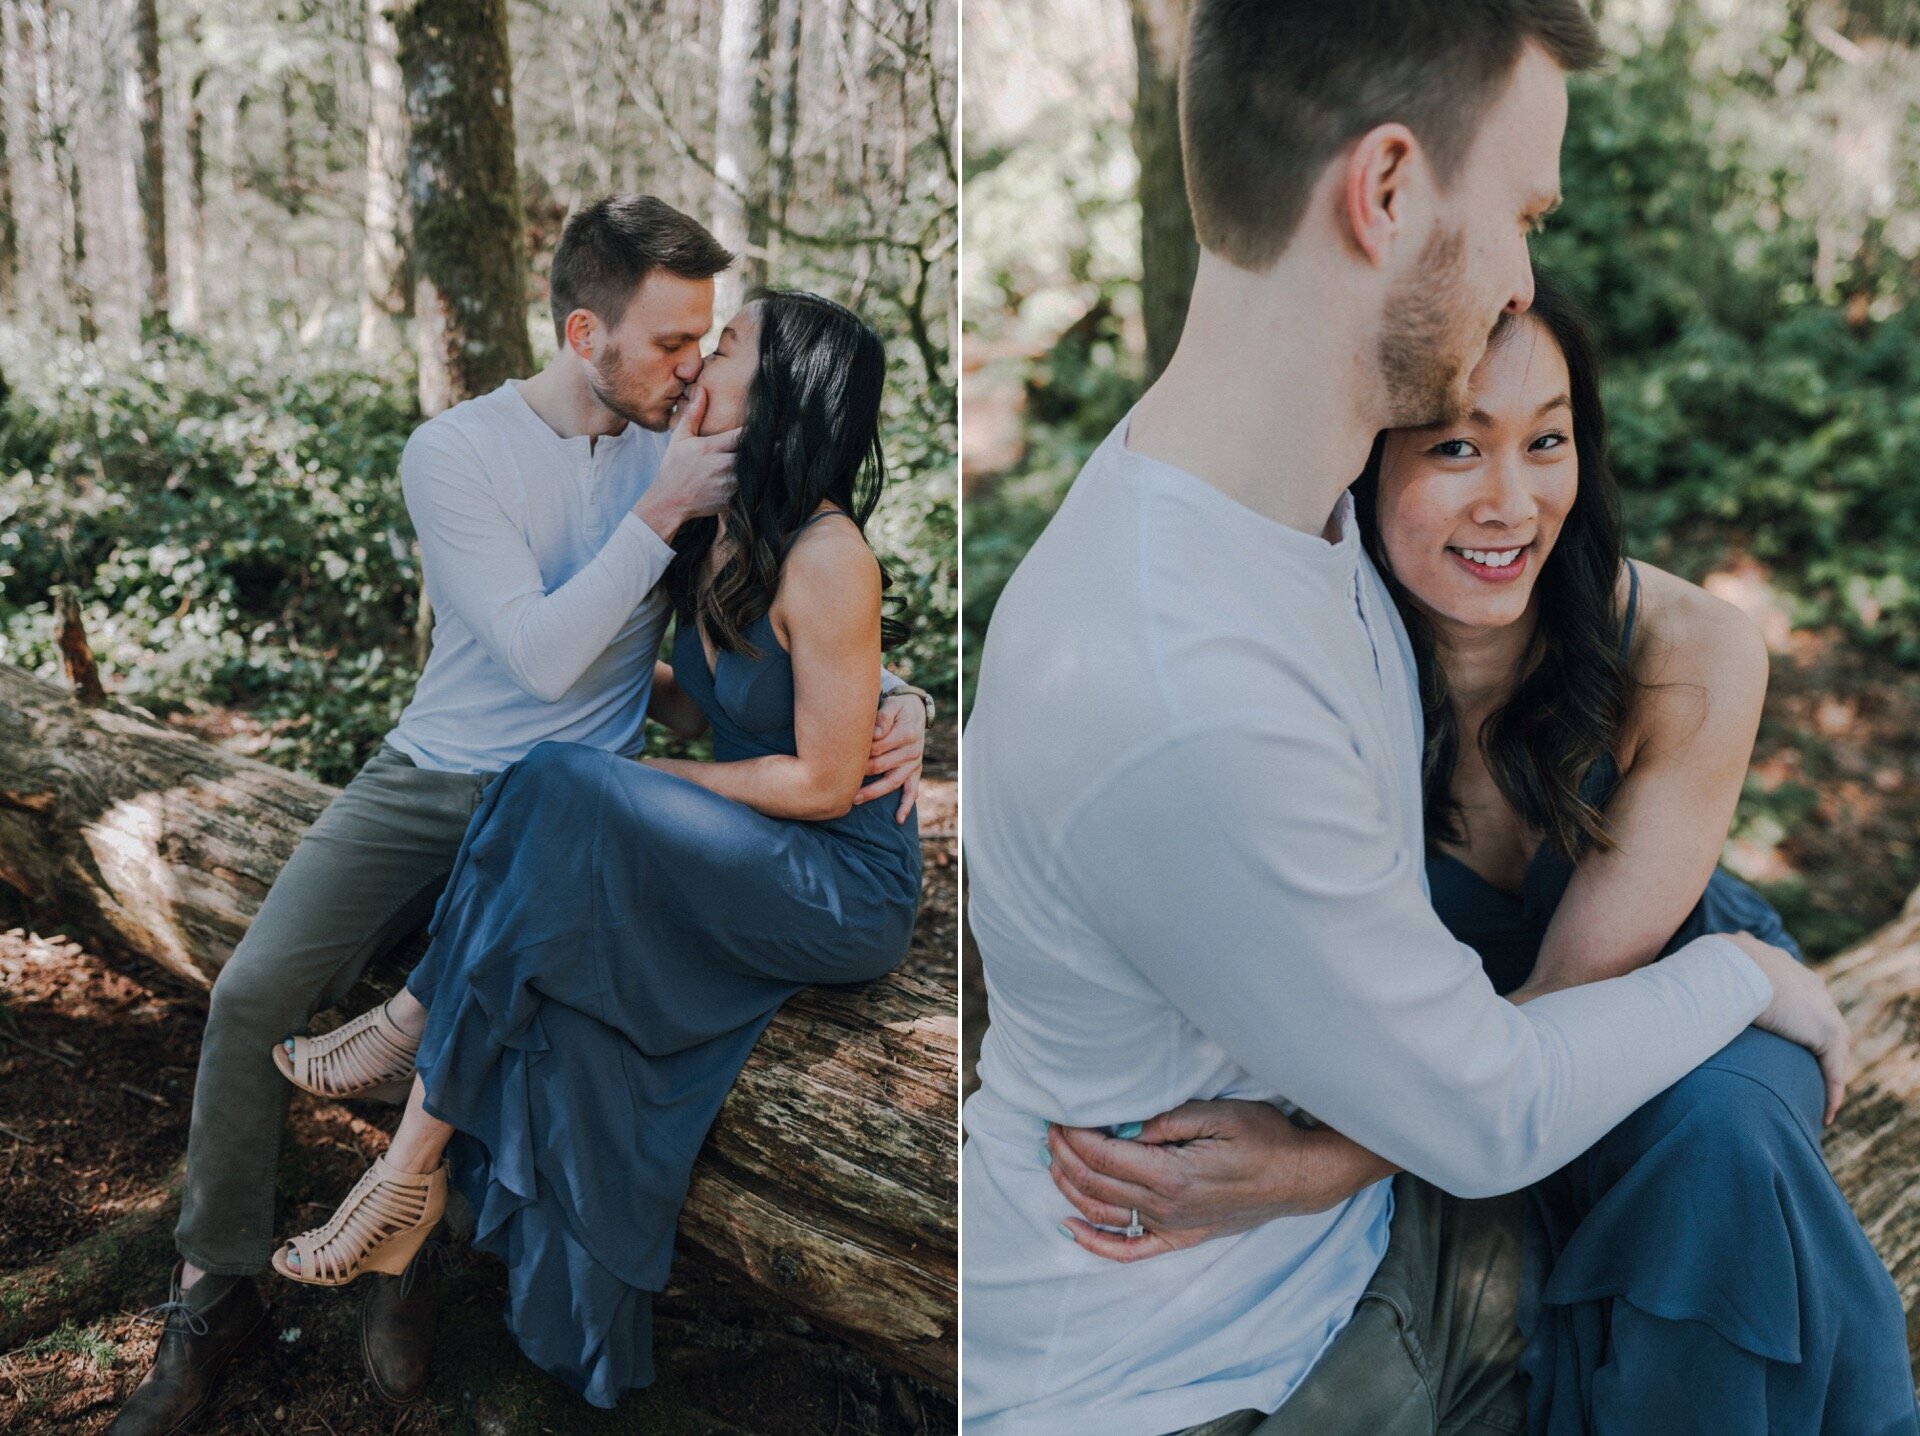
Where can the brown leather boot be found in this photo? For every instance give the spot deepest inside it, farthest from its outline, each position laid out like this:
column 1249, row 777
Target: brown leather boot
column 195, row 1348
column 398, row 1320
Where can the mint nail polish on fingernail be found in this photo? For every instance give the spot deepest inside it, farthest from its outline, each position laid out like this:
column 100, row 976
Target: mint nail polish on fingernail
column 1065, row 1231
column 1046, row 1157
column 1127, row 1131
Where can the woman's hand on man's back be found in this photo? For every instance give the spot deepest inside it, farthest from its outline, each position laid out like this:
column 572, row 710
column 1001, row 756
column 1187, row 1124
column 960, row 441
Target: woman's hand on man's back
column 1203, row 1170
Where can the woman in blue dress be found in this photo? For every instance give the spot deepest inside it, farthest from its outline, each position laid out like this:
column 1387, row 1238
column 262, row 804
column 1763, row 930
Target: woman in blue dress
column 616, row 935
column 1588, row 725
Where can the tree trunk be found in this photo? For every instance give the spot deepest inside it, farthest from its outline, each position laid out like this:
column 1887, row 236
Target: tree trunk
column 79, row 289
column 829, row 1178
column 469, row 264
column 293, row 195
column 1168, row 251
column 150, row 172
column 49, row 28
column 19, row 124
column 784, row 107
column 36, row 180
column 759, row 202
column 739, row 156
column 383, row 256
column 9, row 227
column 189, row 308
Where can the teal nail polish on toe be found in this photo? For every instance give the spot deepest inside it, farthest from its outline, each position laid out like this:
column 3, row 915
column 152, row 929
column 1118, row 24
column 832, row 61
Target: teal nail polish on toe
column 1127, row 1131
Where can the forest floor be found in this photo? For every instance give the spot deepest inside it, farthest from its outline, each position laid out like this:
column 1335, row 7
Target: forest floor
column 97, row 1061
column 1829, row 827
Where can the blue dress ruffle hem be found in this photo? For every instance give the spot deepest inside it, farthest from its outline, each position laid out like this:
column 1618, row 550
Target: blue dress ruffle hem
column 610, row 945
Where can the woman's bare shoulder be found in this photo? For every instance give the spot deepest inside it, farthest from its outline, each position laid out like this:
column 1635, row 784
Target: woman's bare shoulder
column 1692, row 653
column 829, row 548
column 828, row 567
column 1681, row 624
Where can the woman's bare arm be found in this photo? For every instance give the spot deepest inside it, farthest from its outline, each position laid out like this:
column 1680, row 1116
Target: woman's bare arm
column 827, row 615
column 672, row 707
column 1703, row 665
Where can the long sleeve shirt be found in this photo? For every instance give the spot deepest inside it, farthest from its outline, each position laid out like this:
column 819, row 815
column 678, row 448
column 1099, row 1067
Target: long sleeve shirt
column 1195, row 853
column 544, row 584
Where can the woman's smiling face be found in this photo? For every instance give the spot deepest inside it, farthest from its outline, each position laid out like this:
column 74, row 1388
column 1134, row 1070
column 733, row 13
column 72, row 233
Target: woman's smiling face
column 1469, row 512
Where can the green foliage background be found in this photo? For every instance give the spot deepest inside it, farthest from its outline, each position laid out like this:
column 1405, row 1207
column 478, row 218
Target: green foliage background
column 1741, row 221
column 227, row 506
column 235, row 531
column 1743, row 225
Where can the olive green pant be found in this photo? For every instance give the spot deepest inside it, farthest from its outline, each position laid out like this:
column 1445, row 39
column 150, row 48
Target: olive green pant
column 1432, row 1347
column 366, row 875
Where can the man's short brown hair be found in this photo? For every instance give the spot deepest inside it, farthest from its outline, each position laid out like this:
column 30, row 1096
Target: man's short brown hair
column 608, row 248
column 1272, row 90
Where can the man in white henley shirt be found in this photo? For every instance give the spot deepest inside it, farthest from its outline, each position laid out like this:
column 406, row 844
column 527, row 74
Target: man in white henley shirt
column 1193, row 808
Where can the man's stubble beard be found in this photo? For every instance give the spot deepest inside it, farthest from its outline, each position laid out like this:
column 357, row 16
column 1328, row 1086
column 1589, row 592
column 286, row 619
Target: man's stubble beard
column 607, row 379
column 1424, row 363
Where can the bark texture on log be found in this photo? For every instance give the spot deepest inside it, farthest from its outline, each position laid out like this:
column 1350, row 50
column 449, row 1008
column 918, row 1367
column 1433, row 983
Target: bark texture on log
column 1873, row 1146
column 829, row 1178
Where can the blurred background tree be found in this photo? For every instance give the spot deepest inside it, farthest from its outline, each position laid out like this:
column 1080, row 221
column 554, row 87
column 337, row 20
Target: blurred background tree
column 245, row 247
column 1742, row 220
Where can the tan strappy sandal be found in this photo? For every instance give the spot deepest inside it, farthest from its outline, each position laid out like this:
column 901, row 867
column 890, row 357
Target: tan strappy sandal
column 379, row 1227
column 370, row 1056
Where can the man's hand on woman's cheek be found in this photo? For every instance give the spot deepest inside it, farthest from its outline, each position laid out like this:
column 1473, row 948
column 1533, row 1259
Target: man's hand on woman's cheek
column 1203, row 1170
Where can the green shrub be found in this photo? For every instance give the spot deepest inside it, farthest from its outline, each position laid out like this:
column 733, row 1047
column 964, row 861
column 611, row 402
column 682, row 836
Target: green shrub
column 1759, row 400
column 236, row 535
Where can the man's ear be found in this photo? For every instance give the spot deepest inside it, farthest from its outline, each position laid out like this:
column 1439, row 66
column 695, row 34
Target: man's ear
column 1380, row 177
column 582, row 336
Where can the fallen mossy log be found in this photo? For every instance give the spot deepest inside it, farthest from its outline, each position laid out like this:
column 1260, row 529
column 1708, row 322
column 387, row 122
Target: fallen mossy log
column 1873, row 1146
column 93, row 1275
column 829, row 1178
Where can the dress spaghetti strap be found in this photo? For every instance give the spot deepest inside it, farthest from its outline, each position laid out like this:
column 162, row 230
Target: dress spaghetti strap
column 1633, row 609
column 823, row 514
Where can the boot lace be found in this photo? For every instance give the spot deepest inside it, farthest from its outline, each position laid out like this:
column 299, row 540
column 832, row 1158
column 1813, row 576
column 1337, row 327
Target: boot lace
column 165, row 1313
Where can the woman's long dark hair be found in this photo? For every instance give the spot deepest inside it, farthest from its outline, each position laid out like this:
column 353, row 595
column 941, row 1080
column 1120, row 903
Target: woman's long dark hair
column 811, row 433
column 1576, row 690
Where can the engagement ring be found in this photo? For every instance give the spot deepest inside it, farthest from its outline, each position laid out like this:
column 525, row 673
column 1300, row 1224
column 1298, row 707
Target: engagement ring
column 1134, row 1229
